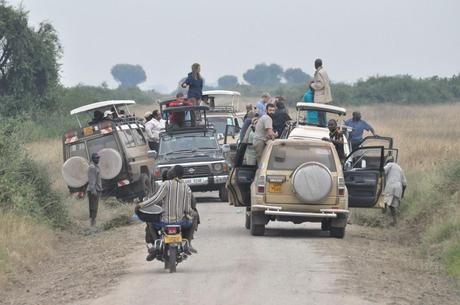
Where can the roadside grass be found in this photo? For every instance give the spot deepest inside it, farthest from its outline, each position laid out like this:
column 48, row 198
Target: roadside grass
column 23, row 243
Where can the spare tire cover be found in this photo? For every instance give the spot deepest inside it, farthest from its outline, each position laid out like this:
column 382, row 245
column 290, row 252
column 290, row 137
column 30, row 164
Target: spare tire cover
column 110, row 163
column 75, row 171
column 312, row 182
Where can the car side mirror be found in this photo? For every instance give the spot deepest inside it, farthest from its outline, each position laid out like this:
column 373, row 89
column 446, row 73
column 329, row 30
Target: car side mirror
column 226, row 148
column 152, row 154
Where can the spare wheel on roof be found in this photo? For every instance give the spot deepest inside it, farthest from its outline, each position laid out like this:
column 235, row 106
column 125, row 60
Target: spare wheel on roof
column 312, row 182
column 75, row 171
column 110, row 163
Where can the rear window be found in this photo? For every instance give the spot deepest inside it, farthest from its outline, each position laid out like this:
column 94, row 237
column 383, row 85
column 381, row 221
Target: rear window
column 78, row 149
column 289, row 157
column 97, row 144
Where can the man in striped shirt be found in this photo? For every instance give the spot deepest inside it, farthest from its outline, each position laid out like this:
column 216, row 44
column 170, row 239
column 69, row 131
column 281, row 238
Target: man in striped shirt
column 175, row 197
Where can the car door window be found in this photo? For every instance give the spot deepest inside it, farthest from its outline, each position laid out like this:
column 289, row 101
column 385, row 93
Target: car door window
column 363, row 172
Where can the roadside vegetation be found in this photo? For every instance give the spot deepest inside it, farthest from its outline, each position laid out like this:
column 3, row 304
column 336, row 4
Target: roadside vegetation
column 429, row 151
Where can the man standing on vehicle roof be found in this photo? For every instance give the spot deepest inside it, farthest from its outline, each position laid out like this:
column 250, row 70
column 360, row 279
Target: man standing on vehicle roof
column 94, row 188
column 395, row 186
column 262, row 104
column 322, row 89
column 264, row 131
column 175, row 197
column 358, row 125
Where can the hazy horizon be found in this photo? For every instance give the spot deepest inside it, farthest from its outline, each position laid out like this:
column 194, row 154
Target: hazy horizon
column 356, row 39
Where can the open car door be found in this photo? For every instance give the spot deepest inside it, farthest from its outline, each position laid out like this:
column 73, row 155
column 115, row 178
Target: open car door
column 386, row 142
column 242, row 176
column 364, row 176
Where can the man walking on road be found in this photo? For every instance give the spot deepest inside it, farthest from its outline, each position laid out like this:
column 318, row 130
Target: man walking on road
column 94, row 188
column 395, row 186
column 264, row 131
column 358, row 125
column 322, row 89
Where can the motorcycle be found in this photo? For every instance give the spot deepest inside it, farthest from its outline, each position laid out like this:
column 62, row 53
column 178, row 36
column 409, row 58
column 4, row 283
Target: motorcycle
column 171, row 248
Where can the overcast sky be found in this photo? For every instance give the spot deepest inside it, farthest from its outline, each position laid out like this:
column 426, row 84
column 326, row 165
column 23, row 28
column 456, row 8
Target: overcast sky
column 355, row 38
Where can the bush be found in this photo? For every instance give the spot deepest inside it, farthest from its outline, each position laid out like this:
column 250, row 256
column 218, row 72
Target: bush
column 25, row 187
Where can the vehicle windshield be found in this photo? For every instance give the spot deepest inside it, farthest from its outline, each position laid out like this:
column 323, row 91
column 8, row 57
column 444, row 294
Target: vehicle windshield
column 290, row 156
column 220, row 123
column 189, row 142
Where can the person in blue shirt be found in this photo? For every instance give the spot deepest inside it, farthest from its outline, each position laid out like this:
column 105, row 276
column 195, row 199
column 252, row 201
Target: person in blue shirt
column 195, row 84
column 358, row 125
column 262, row 104
column 312, row 116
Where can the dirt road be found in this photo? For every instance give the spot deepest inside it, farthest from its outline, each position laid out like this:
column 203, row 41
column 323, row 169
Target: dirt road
column 290, row 265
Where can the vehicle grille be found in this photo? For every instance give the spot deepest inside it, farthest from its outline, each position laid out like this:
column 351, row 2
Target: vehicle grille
column 193, row 171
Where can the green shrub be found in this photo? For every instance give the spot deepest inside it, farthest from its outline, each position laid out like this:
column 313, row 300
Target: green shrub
column 25, row 187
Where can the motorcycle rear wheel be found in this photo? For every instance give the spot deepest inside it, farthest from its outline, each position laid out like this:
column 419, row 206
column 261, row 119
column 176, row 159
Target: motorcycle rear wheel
column 172, row 259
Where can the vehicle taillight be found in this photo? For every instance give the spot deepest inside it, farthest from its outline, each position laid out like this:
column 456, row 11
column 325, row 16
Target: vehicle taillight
column 341, row 186
column 261, row 185
column 172, row 230
column 157, row 173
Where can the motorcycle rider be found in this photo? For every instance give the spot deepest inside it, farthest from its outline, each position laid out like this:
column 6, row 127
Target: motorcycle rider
column 175, row 197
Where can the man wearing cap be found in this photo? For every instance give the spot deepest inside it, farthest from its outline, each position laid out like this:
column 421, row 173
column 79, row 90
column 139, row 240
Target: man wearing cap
column 358, row 125
column 94, row 188
column 262, row 104
column 108, row 115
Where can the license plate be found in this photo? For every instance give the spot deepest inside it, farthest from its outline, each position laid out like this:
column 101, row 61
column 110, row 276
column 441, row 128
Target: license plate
column 169, row 239
column 274, row 187
column 196, row 181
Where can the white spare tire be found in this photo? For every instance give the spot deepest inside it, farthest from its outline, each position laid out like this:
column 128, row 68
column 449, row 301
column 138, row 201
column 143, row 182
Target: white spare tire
column 110, row 163
column 75, row 171
column 312, row 182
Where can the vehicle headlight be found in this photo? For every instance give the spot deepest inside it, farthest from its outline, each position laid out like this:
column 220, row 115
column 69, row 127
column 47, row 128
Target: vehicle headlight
column 217, row 167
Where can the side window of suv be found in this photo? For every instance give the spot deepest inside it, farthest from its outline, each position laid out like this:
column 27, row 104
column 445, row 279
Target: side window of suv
column 138, row 137
column 127, row 138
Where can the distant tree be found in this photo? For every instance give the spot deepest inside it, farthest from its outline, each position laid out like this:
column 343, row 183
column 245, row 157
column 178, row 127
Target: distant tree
column 296, row 76
column 29, row 69
column 264, row 75
column 128, row 76
column 227, row 81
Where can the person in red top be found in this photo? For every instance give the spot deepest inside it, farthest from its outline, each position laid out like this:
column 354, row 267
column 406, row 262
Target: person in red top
column 176, row 119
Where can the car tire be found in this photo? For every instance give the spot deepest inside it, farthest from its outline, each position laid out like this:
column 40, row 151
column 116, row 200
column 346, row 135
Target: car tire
column 145, row 186
column 338, row 232
column 256, row 229
column 223, row 194
column 247, row 223
column 326, row 225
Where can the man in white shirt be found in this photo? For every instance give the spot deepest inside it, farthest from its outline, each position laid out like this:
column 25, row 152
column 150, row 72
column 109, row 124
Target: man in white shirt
column 153, row 128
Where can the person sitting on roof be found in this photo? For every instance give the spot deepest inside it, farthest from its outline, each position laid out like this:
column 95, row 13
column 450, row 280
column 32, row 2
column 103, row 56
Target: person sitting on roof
column 204, row 101
column 97, row 118
column 108, row 115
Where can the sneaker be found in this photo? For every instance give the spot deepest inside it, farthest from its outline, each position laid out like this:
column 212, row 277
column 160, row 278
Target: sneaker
column 152, row 254
column 191, row 249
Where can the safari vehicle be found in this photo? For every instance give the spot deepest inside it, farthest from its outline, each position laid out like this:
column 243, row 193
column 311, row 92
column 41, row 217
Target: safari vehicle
column 224, row 114
column 303, row 127
column 124, row 163
column 195, row 147
column 302, row 180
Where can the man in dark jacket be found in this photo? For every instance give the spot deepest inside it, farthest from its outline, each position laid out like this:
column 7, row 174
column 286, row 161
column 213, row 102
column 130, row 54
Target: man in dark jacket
column 94, row 188
column 280, row 117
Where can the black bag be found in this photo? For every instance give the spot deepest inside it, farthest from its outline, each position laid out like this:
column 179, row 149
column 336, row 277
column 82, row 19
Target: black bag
column 151, row 213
